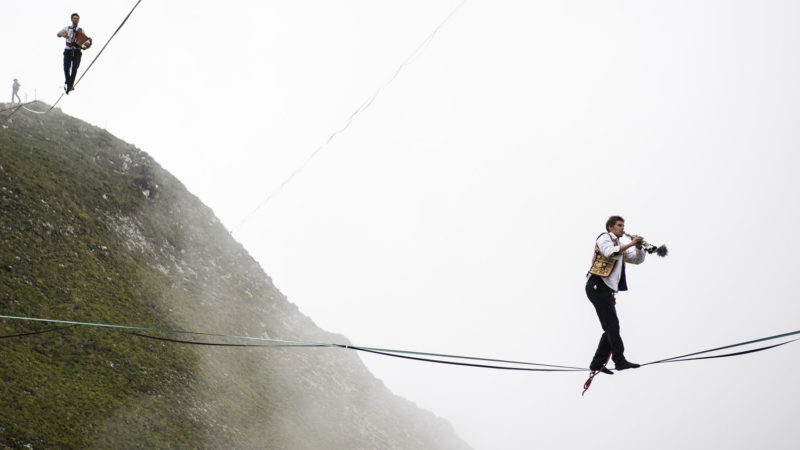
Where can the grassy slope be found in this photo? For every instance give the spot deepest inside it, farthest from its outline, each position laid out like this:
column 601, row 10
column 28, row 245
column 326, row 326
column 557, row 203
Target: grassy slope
column 91, row 229
column 59, row 260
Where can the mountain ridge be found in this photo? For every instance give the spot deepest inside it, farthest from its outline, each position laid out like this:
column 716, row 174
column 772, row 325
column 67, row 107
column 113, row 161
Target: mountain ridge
column 94, row 230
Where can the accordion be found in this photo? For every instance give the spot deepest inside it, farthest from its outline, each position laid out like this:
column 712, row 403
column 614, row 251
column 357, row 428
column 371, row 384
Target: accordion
column 81, row 40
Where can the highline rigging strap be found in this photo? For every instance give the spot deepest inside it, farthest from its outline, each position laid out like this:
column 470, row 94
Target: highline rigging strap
column 398, row 353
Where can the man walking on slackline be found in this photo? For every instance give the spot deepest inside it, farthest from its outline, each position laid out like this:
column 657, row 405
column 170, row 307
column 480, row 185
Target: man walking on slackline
column 605, row 278
column 72, row 54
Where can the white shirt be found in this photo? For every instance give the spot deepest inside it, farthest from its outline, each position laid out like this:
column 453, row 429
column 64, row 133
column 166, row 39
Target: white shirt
column 632, row 255
column 70, row 35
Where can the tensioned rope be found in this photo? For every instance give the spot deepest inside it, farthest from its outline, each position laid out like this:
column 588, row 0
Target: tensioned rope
column 384, row 353
column 293, row 343
column 32, row 111
column 694, row 357
column 31, row 333
column 17, row 107
column 349, row 120
column 405, row 354
column 687, row 356
column 217, row 344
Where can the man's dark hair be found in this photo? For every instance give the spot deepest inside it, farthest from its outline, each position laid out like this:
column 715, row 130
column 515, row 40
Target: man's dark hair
column 73, row 15
column 612, row 220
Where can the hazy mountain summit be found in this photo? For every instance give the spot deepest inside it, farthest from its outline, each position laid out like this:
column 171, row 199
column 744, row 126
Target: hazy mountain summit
column 93, row 230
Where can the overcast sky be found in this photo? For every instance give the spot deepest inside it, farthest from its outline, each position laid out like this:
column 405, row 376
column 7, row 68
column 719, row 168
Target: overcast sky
column 457, row 213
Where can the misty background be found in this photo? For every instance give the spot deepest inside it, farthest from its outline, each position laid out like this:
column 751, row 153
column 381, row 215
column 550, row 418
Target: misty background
column 457, row 213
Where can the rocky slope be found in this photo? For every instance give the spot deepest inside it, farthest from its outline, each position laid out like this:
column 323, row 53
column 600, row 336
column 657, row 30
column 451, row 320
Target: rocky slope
column 93, row 230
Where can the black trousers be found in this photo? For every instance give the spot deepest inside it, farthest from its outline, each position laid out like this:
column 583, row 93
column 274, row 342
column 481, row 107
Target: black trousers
column 602, row 299
column 72, row 59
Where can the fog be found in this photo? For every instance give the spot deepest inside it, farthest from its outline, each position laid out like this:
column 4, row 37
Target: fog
column 457, row 213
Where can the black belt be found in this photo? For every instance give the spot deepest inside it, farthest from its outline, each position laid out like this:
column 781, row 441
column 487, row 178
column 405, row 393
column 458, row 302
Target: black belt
column 595, row 277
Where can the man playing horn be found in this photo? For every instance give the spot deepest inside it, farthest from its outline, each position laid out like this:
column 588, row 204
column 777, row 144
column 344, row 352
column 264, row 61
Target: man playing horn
column 606, row 277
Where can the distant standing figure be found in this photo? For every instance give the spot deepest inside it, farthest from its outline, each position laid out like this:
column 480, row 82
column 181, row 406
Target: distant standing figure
column 72, row 54
column 15, row 91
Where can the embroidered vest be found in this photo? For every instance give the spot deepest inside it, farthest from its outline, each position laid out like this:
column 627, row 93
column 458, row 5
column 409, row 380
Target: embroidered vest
column 601, row 265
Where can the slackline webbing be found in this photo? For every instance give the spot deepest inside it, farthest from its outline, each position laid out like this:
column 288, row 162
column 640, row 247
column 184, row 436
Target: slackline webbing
column 686, row 357
column 218, row 344
column 744, row 352
column 32, row 111
column 16, row 107
column 694, row 357
column 351, row 347
column 350, row 119
column 485, row 366
column 31, row 333
column 25, row 105
column 404, row 354
column 138, row 331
